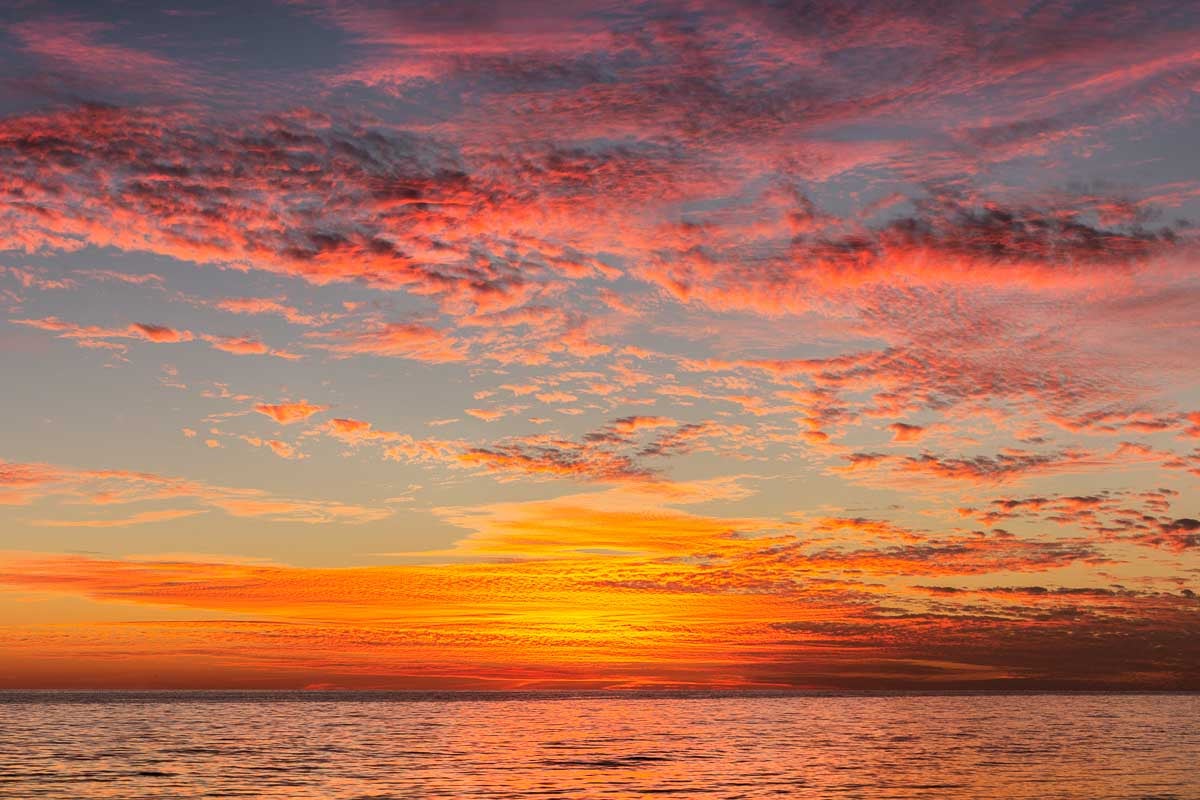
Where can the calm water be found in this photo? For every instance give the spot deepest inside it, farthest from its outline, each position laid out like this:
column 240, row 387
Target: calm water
column 355, row 746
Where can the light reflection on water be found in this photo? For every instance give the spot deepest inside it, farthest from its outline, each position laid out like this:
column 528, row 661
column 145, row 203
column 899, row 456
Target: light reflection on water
column 187, row 745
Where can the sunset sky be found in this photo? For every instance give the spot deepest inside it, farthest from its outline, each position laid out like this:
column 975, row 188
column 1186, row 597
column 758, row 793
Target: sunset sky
column 588, row 344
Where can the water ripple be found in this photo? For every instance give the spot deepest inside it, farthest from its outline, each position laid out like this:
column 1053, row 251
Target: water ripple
column 301, row 746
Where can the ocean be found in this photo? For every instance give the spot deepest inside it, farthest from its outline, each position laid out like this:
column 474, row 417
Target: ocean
column 129, row 746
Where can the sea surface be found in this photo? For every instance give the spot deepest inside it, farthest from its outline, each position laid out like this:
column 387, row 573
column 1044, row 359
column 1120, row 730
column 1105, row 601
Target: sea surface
column 377, row 746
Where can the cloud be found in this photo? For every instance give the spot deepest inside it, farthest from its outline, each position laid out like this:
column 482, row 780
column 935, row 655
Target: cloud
column 266, row 305
column 140, row 518
column 615, row 521
column 1012, row 465
column 93, row 336
column 395, row 446
column 1178, row 535
column 26, row 483
column 161, row 333
column 247, row 346
column 37, row 279
column 77, row 48
column 552, row 458
column 110, row 275
column 609, row 454
column 1117, row 420
column 307, row 512
column 1107, row 514
column 905, row 432
column 21, row 483
column 288, row 413
column 975, row 554
column 486, row 414
column 409, row 214
column 948, row 244
column 395, row 340
column 280, row 448
column 666, row 621
column 637, row 423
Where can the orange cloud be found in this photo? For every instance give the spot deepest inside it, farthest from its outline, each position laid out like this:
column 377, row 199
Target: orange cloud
column 904, row 432
column 161, row 333
column 418, row 342
column 308, row 512
column 288, row 413
column 278, row 447
column 96, row 336
column 140, row 518
column 396, row 446
column 486, row 414
column 634, row 521
column 589, row 621
column 247, row 346
column 22, row 484
column 637, row 423
column 266, row 305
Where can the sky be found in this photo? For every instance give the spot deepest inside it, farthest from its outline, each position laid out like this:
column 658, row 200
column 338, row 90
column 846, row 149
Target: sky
column 526, row 345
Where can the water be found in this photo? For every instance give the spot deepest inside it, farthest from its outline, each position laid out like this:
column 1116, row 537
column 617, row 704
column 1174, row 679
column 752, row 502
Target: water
column 304, row 745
